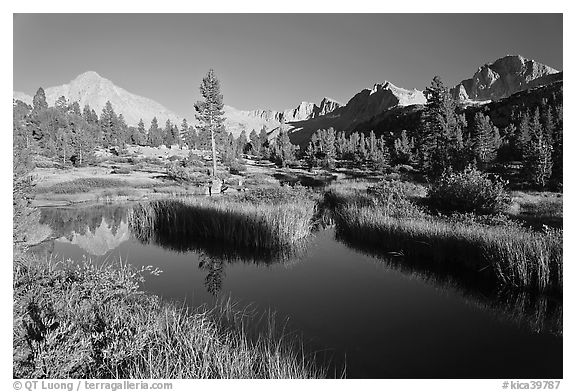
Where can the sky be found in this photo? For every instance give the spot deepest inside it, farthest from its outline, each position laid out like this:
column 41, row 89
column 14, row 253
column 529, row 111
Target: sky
column 272, row 61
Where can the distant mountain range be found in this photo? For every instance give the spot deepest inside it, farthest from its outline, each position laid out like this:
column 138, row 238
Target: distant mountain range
column 494, row 81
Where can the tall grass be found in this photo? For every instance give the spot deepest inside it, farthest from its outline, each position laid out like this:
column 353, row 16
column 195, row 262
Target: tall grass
column 81, row 185
column 228, row 221
column 79, row 320
column 510, row 255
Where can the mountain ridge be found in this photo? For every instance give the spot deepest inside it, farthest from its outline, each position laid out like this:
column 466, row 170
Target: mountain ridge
column 492, row 81
column 502, row 78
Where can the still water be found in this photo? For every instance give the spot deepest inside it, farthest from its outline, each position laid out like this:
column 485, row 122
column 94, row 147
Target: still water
column 370, row 315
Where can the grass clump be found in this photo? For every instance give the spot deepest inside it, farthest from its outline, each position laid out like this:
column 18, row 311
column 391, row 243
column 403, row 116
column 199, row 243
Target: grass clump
column 469, row 191
column 231, row 221
column 504, row 253
column 82, row 185
column 79, row 320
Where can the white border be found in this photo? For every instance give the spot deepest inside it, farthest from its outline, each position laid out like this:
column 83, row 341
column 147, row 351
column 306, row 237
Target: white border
column 295, row 6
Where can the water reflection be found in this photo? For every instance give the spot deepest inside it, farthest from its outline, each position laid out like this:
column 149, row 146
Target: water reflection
column 536, row 311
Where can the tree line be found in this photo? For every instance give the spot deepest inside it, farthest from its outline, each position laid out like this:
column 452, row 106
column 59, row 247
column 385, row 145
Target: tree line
column 444, row 140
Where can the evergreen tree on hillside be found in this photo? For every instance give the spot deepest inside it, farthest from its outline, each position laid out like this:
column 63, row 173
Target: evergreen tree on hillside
column 522, row 136
column 484, row 139
column 176, row 135
column 39, row 100
column 264, row 150
column 548, row 123
column 241, row 143
column 154, row 134
column 404, row 149
column 538, row 161
column 184, row 133
column 558, row 144
column 168, row 134
column 442, row 143
column 108, row 125
column 140, row 137
column 255, row 143
column 120, row 131
column 210, row 112
column 61, row 104
column 74, row 109
column 283, row 152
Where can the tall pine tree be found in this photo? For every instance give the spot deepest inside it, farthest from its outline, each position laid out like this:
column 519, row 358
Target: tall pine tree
column 209, row 112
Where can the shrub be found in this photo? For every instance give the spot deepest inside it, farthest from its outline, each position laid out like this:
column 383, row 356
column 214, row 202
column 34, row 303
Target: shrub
column 82, row 320
column 469, row 191
column 178, row 173
column 275, row 195
column 195, row 163
column 236, row 167
column 120, row 170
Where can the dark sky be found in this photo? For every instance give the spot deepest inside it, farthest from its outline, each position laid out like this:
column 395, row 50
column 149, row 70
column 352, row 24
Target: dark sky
column 272, row 60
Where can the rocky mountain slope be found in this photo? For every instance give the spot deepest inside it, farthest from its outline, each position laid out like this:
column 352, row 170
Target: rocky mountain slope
column 382, row 105
column 504, row 77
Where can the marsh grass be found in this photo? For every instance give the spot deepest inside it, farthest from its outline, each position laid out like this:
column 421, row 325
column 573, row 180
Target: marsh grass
column 79, row 320
column 509, row 254
column 81, row 185
column 226, row 220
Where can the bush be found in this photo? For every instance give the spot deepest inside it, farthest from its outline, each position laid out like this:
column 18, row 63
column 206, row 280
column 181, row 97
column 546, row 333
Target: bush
column 274, row 196
column 178, row 173
column 120, row 170
column 190, row 162
column 469, row 191
column 236, row 167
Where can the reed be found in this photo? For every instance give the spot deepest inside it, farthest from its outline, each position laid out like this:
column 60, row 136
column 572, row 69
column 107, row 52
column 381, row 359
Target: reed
column 510, row 255
column 230, row 222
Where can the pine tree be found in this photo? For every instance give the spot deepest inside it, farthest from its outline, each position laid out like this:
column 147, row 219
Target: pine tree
column 548, row 123
column 61, row 104
column 176, row 135
column 283, row 151
column 538, row 161
column 483, row 139
column 254, row 143
column 74, row 109
column 140, row 137
column 108, row 125
column 241, row 143
column 264, row 150
column 558, row 144
column 154, row 134
column 39, row 100
column 522, row 136
column 210, row 112
column 184, row 133
column 403, row 149
column 120, row 131
column 442, row 142
column 168, row 134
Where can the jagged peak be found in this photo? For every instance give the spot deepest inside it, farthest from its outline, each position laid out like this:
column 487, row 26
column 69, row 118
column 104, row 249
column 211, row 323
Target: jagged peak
column 514, row 58
column 328, row 99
